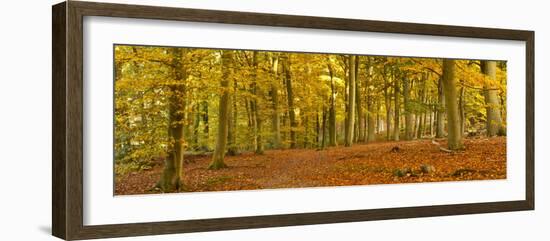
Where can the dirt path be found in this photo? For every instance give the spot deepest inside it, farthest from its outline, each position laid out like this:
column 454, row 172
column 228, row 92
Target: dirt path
column 361, row 164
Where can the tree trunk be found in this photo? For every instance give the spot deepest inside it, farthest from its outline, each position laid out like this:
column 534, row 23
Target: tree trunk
column 187, row 119
column 396, row 123
column 206, row 128
column 285, row 122
column 494, row 119
column 454, row 137
column 196, row 123
column 171, row 175
column 317, row 129
column 223, row 116
column 351, row 102
column 377, row 118
column 324, row 129
column 440, row 121
column 276, row 115
column 346, row 97
column 461, row 110
column 231, row 135
column 424, row 96
column 409, row 120
column 232, row 128
column 370, row 122
column 370, row 106
column 259, row 147
column 332, row 109
column 290, row 100
column 422, row 127
column 432, row 113
column 358, row 103
column 387, row 103
column 248, row 114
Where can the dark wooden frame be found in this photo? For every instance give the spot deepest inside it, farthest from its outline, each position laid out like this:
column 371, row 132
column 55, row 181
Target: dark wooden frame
column 67, row 159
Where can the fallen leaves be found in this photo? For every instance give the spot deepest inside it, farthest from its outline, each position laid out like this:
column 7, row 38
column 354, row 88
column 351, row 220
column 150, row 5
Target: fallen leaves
column 361, row 164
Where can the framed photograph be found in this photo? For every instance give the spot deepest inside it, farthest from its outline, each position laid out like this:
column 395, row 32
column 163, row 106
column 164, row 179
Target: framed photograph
column 171, row 120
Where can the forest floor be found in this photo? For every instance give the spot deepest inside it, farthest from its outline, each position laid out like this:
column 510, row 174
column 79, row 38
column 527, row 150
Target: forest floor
column 361, row 164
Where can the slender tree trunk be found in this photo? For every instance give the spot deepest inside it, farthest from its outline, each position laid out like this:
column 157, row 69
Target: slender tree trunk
column 454, row 137
column 357, row 134
column 196, row 123
column 258, row 140
column 351, row 102
column 324, row 129
column 423, row 94
column 206, row 127
column 371, row 122
column 494, row 118
column 370, row 106
column 171, row 175
column 285, row 122
column 290, row 100
column 358, row 103
column 332, row 109
column 223, row 115
column 187, row 119
column 231, row 135
column 377, row 118
column 317, row 129
column 232, row 129
column 432, row 114
column 461, row 110
column 422, row 127
column 276, row 115
column 254, row 127
column 440, row 122
column 248, row 113
column 409, row 120
column 232, row 125
column 397, row 118
column 387, row 103
column 346, row 97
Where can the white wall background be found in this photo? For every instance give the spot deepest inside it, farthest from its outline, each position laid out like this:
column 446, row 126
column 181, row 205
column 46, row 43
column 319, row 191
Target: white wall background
column 25, row 122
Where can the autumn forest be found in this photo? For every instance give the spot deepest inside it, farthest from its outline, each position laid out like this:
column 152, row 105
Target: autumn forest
column 196, row 119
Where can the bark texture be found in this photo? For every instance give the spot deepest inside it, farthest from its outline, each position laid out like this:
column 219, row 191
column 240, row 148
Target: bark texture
column 224, row 109
column 492, row 102
column 351, row 102
column 170, row 180
column 454, row 137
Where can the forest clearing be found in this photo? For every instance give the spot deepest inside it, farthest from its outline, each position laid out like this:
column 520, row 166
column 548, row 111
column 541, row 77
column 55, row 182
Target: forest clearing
column 197, row 119
column 377, row 163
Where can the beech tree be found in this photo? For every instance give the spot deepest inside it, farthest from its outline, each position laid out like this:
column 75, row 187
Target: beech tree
column 290, row 100
column 372, row 113
column 397, row 107
column 332, row 107
column 350, row 121
column 223, row 121
column 276, row 115
column 409, row 129
column 494, row 119
column 171, row 175
column 454, row 137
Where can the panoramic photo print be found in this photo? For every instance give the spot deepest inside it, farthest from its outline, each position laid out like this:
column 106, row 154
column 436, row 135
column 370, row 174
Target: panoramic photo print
column 201, row 120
